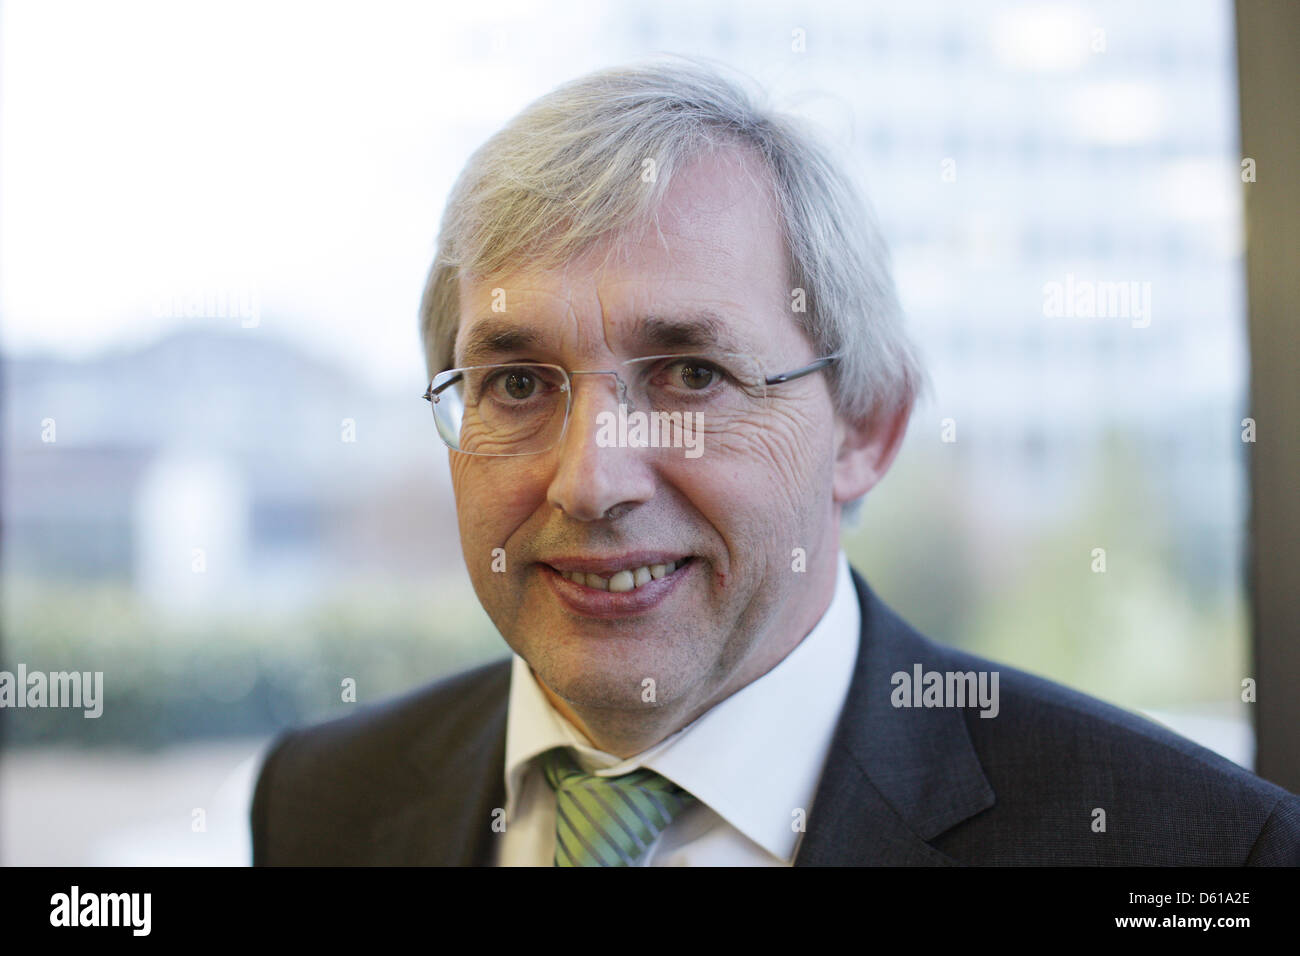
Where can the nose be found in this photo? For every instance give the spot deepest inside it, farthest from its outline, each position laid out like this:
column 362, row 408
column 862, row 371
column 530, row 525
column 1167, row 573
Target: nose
column 594, row 478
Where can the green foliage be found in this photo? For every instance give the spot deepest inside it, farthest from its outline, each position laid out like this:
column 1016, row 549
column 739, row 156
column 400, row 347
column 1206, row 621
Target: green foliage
column 1146, row 632
column 170, row 678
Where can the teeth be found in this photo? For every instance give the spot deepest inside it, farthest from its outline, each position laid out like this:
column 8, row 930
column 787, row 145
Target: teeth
column 626, row 580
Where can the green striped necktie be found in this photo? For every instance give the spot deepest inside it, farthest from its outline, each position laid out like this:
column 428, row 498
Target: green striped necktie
column 608, row 821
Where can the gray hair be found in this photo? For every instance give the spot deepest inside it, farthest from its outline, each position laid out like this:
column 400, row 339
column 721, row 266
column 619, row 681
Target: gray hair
column 567, row 174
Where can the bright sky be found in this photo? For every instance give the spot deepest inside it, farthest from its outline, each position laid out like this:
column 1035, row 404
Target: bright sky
column 293, row 155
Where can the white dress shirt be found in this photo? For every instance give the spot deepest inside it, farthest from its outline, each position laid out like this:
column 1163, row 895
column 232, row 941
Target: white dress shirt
column 752, row 762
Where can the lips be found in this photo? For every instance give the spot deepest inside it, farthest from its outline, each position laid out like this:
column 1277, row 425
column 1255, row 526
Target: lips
column 619, row 575
column 627, row 579
column 617, row 586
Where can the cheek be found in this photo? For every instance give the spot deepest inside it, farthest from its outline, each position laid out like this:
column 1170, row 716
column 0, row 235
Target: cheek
column 466, row 491
column 763, row 485
column 786, row 461
column 493, row 498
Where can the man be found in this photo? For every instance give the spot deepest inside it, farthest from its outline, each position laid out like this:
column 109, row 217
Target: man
column 667, row 359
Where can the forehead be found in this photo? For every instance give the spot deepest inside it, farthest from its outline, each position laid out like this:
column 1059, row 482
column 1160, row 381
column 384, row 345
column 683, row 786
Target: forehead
column 712, row 264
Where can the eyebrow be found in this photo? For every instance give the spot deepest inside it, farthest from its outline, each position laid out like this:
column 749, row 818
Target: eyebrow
column 699, row 328
column 493, row 337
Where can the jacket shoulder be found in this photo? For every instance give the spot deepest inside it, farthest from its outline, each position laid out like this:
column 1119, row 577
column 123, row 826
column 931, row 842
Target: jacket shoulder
column 349, row 773
column 369, row 733
column 1102, row 785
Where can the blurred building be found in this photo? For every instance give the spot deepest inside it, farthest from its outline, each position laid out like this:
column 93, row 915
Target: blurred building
column 219, row 468
column 1008, row 147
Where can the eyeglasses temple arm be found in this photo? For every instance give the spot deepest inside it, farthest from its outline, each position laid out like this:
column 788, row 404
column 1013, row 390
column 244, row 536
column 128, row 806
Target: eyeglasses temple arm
column 431, row 393
column 816, row 366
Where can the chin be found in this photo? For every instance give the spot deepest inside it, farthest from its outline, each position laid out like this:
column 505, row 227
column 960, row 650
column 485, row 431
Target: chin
column 597, row 690
column 622, row 683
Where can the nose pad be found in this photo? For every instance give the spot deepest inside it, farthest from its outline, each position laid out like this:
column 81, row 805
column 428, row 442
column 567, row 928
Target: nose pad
column 623, row 396
column 589, row 484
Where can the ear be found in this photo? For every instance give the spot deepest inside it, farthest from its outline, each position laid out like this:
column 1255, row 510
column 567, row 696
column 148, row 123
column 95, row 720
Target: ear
column 864, row 450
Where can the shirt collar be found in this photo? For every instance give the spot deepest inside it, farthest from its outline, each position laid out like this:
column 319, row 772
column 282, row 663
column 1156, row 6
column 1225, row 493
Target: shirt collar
column 755, row 758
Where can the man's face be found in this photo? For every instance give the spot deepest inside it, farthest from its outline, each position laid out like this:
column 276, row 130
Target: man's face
column 737, row 511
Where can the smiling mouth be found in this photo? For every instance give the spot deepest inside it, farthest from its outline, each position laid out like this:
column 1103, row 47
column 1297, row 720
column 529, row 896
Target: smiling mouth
column 628, row 579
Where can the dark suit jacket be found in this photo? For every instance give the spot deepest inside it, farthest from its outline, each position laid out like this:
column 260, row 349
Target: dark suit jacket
column 416, row 780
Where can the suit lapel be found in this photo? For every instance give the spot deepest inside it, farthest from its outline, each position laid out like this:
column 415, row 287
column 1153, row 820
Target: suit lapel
column 437, row 824
column 895, row 778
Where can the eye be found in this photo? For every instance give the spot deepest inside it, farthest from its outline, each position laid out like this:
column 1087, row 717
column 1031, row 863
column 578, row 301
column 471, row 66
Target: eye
column 695, row 375
column 518, row 384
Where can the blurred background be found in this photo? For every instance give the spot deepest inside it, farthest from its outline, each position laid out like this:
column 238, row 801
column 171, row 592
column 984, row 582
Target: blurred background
column 222, row 489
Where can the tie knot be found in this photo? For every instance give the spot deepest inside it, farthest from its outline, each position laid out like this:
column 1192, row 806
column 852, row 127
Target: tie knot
column 608, row 821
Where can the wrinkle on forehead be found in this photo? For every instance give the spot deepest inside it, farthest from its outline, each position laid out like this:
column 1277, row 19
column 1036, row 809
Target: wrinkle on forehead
column 717, row 219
